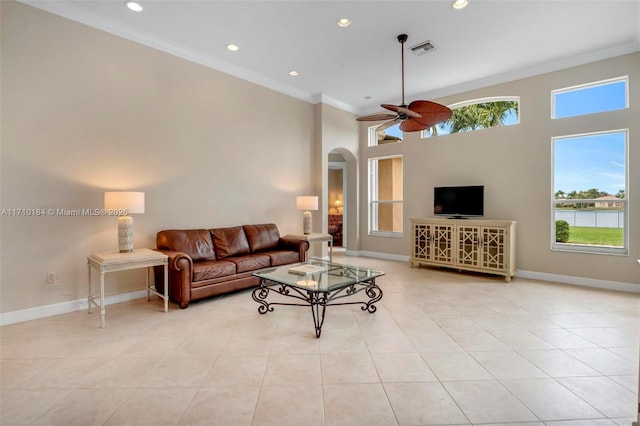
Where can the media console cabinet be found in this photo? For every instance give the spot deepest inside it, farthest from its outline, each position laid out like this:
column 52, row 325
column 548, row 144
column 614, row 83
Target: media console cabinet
column 465, row 244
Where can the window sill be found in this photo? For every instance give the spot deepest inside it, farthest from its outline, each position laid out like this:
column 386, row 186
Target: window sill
column 590, row 249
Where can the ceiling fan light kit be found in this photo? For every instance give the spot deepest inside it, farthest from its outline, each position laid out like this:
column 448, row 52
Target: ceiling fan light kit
column 415, row 117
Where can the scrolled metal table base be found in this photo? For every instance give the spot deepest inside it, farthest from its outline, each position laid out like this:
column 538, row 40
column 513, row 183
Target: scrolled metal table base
column 318, row 301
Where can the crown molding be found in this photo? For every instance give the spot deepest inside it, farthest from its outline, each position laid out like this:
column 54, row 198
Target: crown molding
column 539, row 69
column 320, row 98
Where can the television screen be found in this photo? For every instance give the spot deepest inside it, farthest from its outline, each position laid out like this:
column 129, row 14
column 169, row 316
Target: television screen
column 458, row 201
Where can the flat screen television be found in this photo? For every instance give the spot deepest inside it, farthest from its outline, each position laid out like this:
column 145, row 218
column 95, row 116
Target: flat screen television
column 458, row 201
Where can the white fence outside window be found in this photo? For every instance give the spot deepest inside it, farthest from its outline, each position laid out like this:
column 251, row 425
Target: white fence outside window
column 592, row 218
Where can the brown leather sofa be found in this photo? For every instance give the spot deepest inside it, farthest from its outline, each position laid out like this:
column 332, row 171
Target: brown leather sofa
column 209, row 262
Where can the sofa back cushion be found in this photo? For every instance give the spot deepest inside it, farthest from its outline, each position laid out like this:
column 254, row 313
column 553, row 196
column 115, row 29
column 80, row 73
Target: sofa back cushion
column 229, row 242
column 262, row 237
column 197, row 243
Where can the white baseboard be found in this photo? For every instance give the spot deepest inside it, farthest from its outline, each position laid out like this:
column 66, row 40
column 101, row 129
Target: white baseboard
column 64, row 307
column 387, row 256
column 581, row 281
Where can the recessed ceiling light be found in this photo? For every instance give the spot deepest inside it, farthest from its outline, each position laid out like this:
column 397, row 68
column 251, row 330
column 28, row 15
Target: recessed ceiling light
column 460, row 4
column 233, row 47
column 135, row 6
column 293, row 73
column 344, row 22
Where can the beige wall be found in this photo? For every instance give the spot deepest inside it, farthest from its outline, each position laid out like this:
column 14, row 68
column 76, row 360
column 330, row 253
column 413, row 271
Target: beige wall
column 84, row 111
column 514, row 165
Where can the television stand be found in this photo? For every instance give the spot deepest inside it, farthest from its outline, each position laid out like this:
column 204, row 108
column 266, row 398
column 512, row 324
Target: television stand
column 474, row 245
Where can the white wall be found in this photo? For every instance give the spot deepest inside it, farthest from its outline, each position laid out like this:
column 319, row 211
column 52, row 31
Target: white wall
column 514, row 165
column 84, row 111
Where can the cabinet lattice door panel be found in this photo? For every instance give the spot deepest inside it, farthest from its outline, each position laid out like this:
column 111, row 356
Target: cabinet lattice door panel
column 493, row 248
column 421, row 241
column 474, row 245
column 442, row 243
column 468, row 245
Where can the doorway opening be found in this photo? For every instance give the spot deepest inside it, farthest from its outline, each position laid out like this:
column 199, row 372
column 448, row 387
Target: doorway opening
column 336, row 202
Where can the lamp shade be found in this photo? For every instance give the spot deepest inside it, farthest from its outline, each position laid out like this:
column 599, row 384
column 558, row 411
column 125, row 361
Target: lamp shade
column 307, row 202
column 132, row 202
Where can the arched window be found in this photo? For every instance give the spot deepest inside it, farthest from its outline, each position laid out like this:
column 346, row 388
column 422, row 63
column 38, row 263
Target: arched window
column 478, row 114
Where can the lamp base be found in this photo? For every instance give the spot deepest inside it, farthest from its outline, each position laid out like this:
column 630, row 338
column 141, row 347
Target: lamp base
column 306, row 222
column 125, row 234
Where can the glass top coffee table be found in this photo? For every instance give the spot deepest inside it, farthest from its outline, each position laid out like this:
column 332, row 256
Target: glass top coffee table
column 327, row 286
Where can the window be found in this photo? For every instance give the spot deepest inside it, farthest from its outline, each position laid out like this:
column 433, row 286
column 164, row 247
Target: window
column 589, row 192
column 385, row 196
column 478, row 114
column 606, row 95
column 391, row 135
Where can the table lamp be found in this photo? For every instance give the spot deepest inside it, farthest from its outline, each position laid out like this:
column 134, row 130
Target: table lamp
column 307, row 203
column 124, row 204
column 338, row 205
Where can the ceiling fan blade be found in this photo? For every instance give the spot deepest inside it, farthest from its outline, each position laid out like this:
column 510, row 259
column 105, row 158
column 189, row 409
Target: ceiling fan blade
column 391, row 123
column 401, row 110
column 412, row 125
column 376, row 117
column 431, row 113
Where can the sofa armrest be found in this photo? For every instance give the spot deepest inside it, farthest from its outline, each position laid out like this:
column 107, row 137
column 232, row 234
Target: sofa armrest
column 301, row 246
column 180, row 276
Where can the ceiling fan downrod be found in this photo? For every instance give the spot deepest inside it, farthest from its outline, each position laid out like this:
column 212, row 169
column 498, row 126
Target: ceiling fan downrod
column 402, row 38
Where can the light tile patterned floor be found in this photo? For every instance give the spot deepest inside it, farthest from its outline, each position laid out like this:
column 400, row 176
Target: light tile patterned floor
column 443, row 348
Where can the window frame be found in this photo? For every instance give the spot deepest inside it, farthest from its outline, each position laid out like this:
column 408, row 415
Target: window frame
column 591, row 248
column 592, row 84
column 373, row 202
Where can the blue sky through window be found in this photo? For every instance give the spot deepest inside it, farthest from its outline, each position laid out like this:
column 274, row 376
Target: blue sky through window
column 588, row 100
column 592, row 161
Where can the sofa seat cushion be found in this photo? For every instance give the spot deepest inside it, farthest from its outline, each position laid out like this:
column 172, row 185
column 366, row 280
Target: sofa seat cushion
column 250, row 262
column 207, row 270
column 282, row 257
column 230, row 242
column 262, row 237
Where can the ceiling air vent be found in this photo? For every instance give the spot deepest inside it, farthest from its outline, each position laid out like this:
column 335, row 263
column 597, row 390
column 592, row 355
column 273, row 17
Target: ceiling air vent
column 423, row 48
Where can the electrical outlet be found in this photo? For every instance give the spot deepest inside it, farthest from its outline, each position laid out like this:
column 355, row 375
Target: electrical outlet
column 52, row 278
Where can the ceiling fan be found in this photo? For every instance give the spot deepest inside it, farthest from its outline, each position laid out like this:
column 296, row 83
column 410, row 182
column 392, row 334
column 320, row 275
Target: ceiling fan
column 418, row 115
